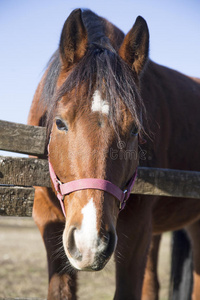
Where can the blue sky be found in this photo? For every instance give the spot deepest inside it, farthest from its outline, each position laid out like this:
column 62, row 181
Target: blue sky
column 30, row 32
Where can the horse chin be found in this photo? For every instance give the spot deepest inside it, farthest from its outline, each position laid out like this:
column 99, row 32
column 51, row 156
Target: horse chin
column 97, row 265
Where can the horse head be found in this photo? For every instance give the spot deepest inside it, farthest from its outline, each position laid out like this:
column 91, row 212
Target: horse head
column 96, row 120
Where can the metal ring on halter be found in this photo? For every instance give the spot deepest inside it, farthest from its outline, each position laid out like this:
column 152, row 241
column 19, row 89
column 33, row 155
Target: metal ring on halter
column 123, row 203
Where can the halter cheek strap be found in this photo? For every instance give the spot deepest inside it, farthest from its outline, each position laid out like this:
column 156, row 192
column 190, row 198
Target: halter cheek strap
column 90, row 183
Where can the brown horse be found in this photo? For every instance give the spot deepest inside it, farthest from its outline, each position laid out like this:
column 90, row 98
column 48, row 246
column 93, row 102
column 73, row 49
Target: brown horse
column 99, row 96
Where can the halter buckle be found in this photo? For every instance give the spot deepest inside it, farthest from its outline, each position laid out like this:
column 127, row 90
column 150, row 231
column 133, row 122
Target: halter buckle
column 59, row 183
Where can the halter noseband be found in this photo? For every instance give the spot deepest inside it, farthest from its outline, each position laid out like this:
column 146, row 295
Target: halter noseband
column 90, row 183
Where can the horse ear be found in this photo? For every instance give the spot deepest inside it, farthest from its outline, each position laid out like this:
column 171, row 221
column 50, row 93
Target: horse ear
column 73, row 41
column 135, row 47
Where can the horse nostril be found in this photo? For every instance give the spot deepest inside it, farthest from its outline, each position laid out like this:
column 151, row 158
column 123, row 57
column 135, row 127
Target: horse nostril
column 110, row 242
column 71, row 247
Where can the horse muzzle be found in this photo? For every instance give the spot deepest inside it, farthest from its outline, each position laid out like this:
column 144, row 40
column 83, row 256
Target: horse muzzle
column 87, row 251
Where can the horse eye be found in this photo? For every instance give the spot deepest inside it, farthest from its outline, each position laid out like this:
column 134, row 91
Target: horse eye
column 61, row 125
column 134, row 131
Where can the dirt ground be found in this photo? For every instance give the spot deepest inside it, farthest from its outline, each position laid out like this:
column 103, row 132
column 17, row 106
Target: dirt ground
column 23, row 267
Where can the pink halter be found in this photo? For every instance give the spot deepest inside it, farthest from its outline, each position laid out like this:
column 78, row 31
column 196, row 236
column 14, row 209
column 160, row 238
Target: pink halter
column 90, row 183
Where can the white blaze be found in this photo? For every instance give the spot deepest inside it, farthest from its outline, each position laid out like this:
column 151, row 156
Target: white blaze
column 98, row 104
column 86, row 236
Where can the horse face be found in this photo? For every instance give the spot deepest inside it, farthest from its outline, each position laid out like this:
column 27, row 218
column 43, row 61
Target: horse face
column 85, row 145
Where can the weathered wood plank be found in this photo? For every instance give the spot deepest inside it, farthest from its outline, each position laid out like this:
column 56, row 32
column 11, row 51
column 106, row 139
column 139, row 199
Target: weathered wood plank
column 16, row 201
column 24, row 171
column 150, row 181
column 167, row 182
column 22, row 138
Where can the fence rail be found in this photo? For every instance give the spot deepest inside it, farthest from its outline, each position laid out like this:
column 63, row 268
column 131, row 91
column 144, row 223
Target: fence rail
column 22, row 138
column 19, row 175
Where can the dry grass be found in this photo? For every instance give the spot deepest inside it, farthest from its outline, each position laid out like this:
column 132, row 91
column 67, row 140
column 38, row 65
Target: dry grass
column 23, row 265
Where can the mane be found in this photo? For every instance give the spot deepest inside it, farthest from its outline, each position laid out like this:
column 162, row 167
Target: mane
column 53, row 71
column 95, row 28
column 100, row 69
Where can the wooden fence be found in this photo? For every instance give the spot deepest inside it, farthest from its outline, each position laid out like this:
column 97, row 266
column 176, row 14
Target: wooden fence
column 19, row 175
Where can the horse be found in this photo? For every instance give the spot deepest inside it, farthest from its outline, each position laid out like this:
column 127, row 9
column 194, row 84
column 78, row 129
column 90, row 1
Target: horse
column 101, row 98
